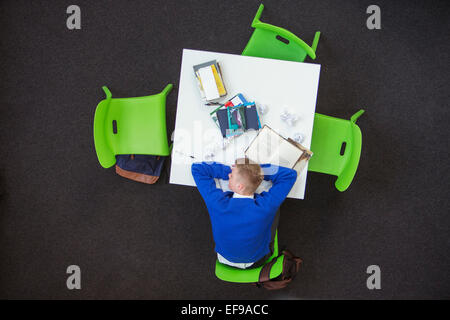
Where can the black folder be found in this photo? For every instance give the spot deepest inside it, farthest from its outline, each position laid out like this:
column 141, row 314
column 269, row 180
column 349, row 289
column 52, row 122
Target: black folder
column 251, row 117
column 222, row 116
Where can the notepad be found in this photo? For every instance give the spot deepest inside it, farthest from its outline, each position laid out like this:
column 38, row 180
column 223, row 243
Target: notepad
column 209, row 83
column 270, row 147
column 218, row 80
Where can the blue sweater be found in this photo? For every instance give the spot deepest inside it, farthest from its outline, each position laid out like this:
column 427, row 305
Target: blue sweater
column 241, row 226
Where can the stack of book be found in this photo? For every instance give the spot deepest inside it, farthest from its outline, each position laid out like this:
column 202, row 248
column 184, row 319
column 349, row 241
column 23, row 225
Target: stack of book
column 209, row 80
column 236, row 116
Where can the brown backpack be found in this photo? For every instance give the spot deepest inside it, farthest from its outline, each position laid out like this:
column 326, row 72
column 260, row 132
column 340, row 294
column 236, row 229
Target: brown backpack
column 291, row 265
column 140, row 168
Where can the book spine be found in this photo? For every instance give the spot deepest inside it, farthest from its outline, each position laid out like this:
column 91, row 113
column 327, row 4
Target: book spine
column 219, row 82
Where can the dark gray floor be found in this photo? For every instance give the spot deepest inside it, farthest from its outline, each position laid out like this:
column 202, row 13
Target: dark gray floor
column 59, row 207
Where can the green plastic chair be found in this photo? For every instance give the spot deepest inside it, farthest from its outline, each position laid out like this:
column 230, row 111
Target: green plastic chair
column 336, row 144
column 268, row 41
column 130, row 126
column 231, row 274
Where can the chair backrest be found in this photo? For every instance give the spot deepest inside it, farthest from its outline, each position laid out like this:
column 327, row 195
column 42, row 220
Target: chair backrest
column 269, row 41
column 231, row 274
column 336, row 144
column 130, row 126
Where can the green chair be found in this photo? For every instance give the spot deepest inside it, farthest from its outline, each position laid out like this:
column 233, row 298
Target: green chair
column 268, row 41
column 336, row 144
column 231, row 274
column 130, row 126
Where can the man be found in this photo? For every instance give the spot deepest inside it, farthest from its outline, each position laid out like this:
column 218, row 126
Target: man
column 243, row 222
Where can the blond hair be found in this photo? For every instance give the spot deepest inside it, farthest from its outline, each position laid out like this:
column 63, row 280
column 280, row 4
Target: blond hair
column 251, row 172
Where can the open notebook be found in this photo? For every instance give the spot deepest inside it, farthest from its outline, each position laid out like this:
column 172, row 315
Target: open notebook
column 269, row 147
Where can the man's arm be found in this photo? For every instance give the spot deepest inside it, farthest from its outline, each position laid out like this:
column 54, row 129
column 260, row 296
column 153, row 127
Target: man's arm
column 283, row 180
column 204, row 174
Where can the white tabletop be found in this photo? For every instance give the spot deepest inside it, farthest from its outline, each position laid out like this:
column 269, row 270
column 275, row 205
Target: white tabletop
column 278, row 85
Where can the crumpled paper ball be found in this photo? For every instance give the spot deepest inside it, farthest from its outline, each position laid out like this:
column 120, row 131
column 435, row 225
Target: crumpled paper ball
column 298, row 137
column 226, row 142
column 289, row 117
column 211, row 149
column 263, row 109
column 209, row 154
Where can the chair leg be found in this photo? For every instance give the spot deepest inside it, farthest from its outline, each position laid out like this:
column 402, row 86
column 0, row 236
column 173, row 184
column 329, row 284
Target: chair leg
column 107, row 92
column 315, row 41
column 356, row 115
column 258, row 15
column 167, row 165
column 167, row 89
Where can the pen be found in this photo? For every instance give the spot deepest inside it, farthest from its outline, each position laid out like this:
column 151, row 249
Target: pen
column 186, row 155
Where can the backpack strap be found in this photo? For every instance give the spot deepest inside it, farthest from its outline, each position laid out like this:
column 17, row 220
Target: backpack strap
column 136, row 176
column 264, row 274
column 291, row 265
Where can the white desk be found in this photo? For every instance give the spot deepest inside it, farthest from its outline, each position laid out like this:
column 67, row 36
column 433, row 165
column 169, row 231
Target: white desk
column 277, row 84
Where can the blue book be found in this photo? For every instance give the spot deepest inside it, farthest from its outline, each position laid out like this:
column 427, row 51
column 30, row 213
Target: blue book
column 251, row 116
column 222, row 117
